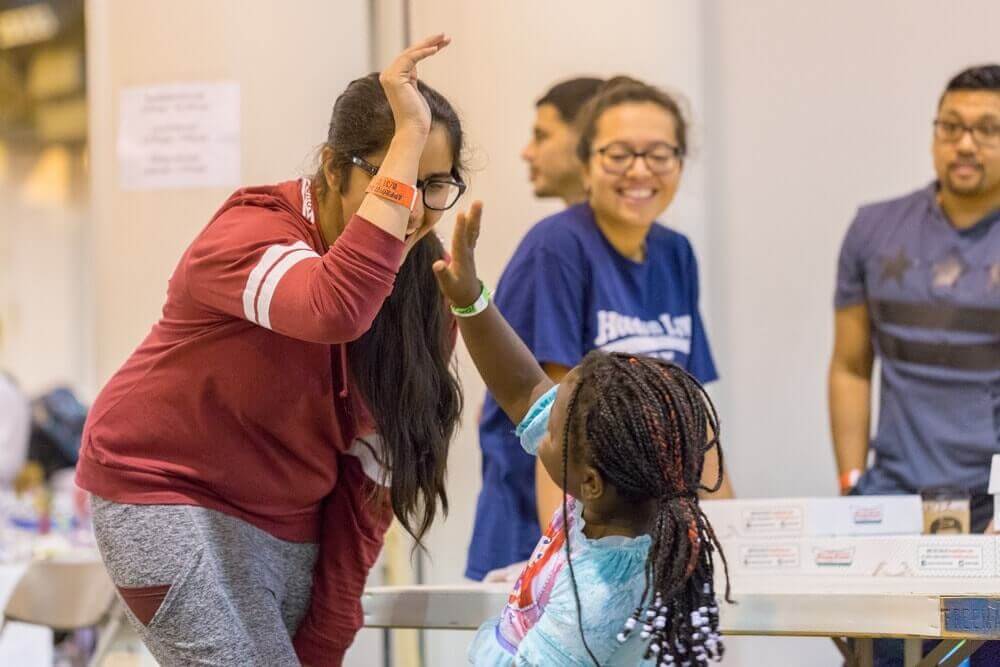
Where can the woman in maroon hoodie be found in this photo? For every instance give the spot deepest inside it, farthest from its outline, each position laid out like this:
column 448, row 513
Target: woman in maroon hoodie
column 248, row 457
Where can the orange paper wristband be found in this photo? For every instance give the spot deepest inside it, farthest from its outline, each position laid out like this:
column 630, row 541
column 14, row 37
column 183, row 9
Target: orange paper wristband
column 849, row 479
column 392, row 190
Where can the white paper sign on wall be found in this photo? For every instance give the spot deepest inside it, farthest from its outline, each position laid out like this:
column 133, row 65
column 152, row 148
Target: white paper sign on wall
column 180, row 135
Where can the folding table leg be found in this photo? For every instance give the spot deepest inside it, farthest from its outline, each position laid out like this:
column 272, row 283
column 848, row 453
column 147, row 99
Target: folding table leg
column 913, row 651
column 846, row 650
column 866, row 651
column 858, row 652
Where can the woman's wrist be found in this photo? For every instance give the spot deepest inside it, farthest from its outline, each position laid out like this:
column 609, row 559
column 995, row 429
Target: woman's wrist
column 399, row 164
column 403, row 156
column 409, row 136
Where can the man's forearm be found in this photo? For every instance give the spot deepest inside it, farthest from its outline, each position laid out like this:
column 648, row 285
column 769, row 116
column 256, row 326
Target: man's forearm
column 850, row 418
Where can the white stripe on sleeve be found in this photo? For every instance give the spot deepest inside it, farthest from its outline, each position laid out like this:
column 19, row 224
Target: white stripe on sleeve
column 368, row 450
column 273, row 277
column 257, row 275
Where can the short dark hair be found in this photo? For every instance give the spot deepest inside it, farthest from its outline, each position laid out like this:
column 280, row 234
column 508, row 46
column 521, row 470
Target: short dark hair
column 980, row 77
column 569, row 96
column 624, row 90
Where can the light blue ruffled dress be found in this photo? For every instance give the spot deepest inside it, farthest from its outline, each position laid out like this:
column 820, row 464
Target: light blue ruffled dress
column 539, row 626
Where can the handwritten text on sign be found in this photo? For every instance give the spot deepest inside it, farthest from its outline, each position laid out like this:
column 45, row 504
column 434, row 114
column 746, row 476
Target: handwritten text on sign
column 183, row 135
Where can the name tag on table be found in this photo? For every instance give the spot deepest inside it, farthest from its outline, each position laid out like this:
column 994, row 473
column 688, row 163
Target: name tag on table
column 978, row 617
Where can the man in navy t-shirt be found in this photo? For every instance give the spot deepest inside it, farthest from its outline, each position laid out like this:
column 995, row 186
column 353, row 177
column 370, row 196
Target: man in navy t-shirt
column 918, row 286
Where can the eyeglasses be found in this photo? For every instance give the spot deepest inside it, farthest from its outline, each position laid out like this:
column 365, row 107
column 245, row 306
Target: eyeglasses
column 661, row 158
column 439, row 194
column 984, row 134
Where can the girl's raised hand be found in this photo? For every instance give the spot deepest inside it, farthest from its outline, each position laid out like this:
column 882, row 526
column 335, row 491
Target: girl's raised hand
column 457, row 278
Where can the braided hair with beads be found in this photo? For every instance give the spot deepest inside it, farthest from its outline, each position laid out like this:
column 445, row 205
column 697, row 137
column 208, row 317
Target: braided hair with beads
column 646, row 425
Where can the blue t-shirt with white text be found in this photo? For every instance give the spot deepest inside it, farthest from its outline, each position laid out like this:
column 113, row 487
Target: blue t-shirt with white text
column 567, row 291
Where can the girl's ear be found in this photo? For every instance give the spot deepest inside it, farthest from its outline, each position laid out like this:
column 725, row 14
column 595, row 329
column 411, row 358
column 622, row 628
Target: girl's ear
column 591, row 484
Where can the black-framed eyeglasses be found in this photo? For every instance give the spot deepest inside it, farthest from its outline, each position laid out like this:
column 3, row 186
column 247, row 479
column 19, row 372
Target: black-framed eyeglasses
column 439, row 194
column 952, row 131
column 661, row 158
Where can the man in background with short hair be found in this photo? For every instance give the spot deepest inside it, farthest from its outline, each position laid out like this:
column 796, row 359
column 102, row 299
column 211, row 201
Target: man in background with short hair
column 918, row 286
column 553, row 165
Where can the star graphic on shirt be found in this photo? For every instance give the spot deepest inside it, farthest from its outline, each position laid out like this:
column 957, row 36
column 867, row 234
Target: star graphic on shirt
column 947, row 271
column 893, row 268
column 994, row 276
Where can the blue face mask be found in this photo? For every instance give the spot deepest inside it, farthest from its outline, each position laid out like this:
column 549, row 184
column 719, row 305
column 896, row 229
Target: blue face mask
column 535, row 424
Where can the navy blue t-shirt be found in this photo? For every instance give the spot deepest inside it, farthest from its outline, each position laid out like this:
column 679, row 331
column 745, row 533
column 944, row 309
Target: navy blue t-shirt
column 567, row 291
column 933, row 295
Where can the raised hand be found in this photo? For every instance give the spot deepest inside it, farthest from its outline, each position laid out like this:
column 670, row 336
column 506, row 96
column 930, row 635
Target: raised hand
column 399, row 81
column 506, row 364
column 412, row 118
column 457, row 278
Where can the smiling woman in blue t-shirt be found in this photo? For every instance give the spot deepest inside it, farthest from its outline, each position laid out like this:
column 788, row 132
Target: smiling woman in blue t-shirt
column 601, row 274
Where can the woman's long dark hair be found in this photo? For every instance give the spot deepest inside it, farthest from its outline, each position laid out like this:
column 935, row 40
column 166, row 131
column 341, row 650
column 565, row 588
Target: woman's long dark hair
column 401, row 364
column 401, row 368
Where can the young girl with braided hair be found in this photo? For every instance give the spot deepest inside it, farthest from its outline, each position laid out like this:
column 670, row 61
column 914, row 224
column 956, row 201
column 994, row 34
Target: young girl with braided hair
column 630, row 549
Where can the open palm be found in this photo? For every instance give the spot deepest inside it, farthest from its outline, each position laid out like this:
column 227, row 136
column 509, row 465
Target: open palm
column 457, row 277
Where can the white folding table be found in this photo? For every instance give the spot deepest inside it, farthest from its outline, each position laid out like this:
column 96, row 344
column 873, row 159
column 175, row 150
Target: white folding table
column 962, row 612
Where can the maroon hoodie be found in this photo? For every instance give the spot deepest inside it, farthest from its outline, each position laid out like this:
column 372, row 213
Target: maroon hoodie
column 238, row 401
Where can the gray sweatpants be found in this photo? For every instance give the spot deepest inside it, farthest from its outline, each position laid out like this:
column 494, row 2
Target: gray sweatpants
column 204, row 588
